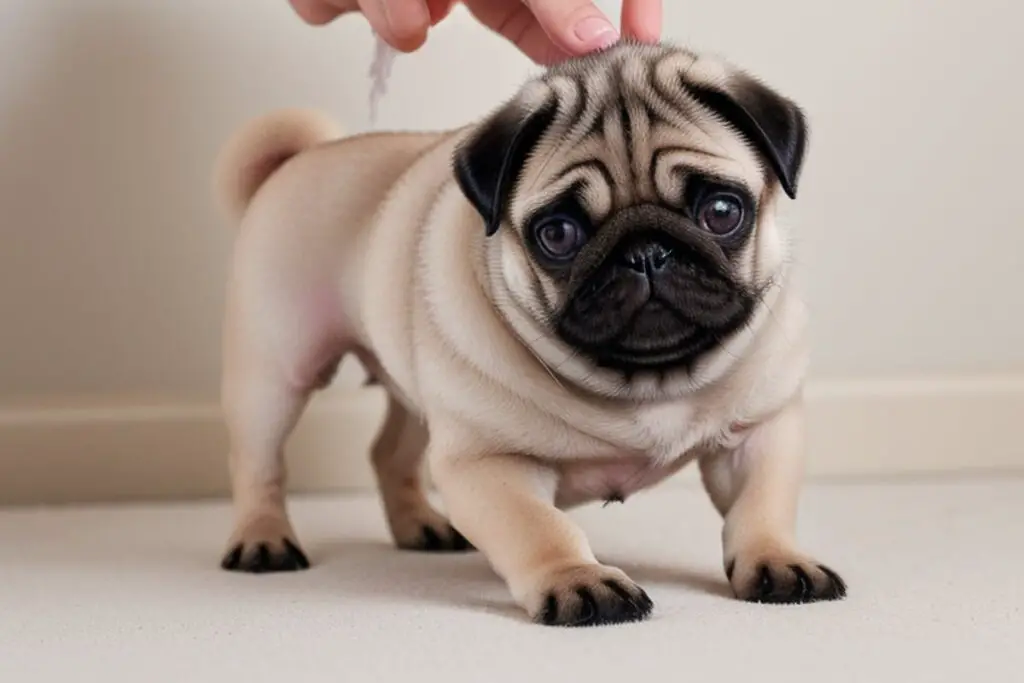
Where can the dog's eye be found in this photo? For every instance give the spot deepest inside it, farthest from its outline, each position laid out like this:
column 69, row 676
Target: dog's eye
column 559, row 237
column 721, row 214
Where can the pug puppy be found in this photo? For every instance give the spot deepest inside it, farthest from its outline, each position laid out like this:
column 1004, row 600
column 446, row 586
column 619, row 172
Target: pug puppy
column 566, row 302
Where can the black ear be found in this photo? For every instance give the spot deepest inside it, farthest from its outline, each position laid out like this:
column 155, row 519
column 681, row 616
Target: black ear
column 488, row 164
column 773, row 124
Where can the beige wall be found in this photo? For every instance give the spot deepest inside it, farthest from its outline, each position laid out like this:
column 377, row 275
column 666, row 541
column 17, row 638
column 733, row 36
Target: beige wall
column 112, row 262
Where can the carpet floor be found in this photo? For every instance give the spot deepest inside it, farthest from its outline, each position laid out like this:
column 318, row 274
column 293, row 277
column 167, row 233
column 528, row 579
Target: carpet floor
column 134, row 592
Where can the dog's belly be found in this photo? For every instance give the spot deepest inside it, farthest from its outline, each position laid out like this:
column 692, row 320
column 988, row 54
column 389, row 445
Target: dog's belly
column 613, row 479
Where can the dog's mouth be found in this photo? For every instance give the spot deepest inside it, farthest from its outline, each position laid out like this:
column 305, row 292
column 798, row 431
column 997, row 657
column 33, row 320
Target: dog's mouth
column 655, row 339
column 633, row 322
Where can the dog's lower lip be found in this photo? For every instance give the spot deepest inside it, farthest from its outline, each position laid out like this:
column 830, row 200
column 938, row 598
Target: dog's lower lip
column 623, row 359
column 653, row 353
column 655, row 350
column 650, row 351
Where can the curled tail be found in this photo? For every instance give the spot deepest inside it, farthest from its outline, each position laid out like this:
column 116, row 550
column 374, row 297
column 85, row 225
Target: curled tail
column 260, row 147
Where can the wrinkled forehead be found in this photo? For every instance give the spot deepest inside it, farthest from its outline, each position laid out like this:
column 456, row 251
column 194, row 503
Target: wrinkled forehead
column 626, row 131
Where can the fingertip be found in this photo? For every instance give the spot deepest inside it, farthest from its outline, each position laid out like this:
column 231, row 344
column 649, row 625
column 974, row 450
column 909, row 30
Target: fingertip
column 642, row 20
column 594, row 33
column 408, row 42
column 644, row 34
column 439, row 10
column 408, row 24
column 315, row 12
column 577, row 27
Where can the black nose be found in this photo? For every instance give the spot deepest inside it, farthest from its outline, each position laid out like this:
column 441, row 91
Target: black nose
column 646, row 255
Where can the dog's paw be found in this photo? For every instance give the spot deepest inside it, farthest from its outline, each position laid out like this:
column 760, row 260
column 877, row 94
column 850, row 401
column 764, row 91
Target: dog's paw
column 589, row 595
column 263, row 546
column 436, row 538
column 425, row 530
column 782, row 577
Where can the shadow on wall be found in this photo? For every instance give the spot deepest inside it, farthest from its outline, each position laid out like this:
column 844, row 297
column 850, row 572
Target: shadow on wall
column 113, row 265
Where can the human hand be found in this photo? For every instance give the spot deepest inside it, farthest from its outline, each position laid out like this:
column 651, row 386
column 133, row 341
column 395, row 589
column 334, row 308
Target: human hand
column 546, row 31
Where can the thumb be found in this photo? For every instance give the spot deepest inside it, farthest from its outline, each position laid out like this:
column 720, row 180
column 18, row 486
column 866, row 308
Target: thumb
column 576, row 26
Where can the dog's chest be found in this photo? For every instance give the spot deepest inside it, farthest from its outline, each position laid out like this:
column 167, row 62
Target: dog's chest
column 612, row 479
column 651, row 445
column 663, row 433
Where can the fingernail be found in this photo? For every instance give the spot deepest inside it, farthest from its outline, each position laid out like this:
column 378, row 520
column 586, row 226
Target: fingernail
column 596, row 32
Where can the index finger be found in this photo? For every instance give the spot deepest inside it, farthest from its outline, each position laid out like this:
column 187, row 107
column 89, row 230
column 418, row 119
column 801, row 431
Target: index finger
column 402, row 23
column 641, row 20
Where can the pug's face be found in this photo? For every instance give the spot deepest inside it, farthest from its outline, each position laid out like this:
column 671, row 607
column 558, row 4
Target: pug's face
column 629, row 199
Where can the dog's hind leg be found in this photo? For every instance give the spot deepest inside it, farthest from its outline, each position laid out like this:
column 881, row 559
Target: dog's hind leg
column 274, row 357
column 261, row 411
column 397, row 455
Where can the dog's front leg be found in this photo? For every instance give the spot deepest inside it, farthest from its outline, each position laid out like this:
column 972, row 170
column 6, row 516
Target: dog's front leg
column 504, row 505
column 756, row 488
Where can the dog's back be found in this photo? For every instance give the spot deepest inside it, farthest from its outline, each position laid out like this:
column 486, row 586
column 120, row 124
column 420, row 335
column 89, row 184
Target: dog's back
column 263, row 146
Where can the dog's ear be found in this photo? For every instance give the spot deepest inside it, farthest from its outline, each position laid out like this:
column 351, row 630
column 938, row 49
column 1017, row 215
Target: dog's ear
column 772, row 123
column 488, row 163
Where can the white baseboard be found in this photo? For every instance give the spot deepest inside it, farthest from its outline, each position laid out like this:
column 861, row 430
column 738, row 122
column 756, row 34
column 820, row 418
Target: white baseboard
column 84, row 453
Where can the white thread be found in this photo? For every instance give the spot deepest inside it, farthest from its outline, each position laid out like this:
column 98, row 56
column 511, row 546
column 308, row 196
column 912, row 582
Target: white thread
column 380, row 72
